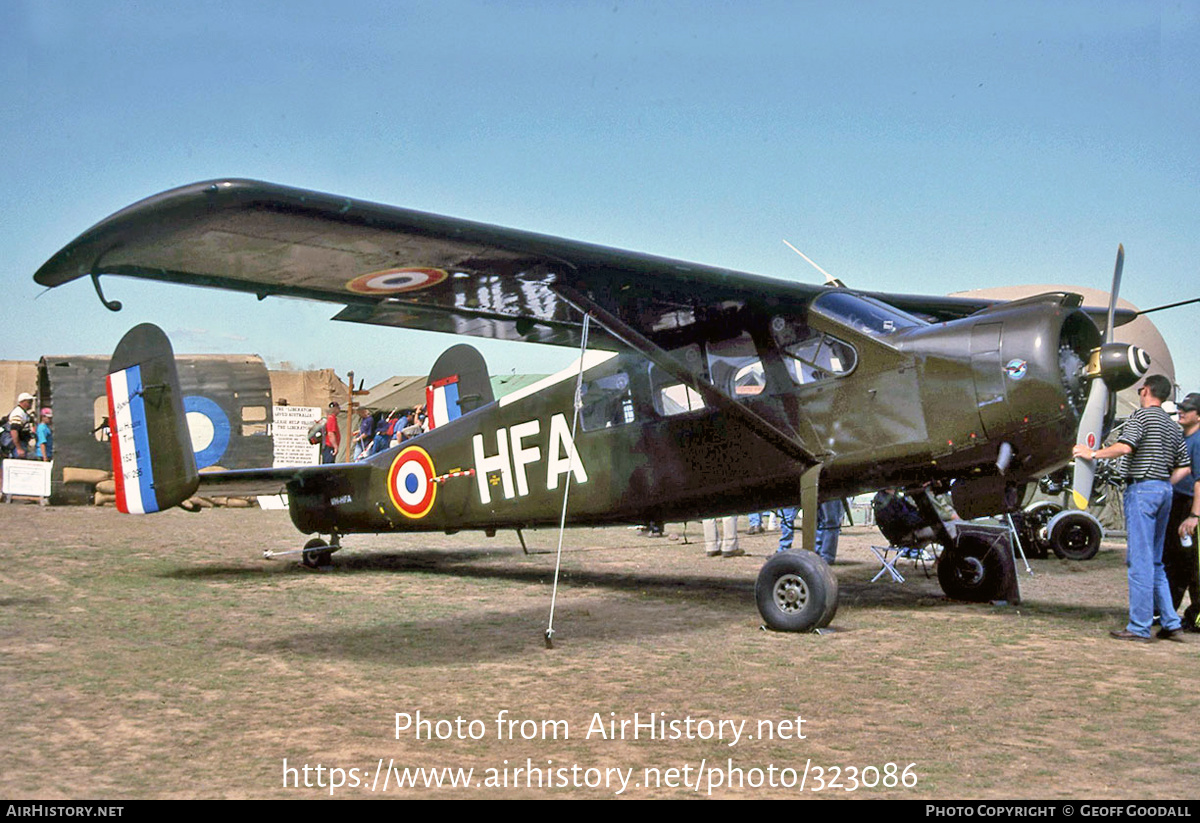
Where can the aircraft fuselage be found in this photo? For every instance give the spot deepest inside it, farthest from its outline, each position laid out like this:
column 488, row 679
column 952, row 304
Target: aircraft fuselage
column 927, row 402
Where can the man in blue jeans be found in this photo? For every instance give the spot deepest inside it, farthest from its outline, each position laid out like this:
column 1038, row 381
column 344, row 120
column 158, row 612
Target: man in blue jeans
column 829, row 528
column 1157, row 454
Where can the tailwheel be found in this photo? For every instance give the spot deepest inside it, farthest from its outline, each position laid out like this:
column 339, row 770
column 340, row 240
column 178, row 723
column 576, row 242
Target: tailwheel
column 796, row 592
column 317, row 554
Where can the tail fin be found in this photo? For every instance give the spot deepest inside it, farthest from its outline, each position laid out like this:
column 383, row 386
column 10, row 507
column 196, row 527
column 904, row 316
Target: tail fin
column 153, row 463
column 458, row 383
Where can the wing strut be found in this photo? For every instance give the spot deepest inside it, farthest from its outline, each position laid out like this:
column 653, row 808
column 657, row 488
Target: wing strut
column 562, row 523
column 768, row 431
column 808, row 507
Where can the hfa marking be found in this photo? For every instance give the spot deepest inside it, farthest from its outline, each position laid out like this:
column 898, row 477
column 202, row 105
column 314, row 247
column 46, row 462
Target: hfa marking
column 512, row 456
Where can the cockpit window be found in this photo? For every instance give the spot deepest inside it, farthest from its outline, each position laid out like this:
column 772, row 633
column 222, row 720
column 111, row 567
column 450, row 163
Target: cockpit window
column 864, row 314
column 819, row 357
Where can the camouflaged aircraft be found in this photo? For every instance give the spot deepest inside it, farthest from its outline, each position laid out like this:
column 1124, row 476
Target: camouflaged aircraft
column 700, row 391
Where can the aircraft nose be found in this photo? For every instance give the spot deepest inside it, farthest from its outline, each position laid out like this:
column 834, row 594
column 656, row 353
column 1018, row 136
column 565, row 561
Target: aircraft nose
column 1119, row 365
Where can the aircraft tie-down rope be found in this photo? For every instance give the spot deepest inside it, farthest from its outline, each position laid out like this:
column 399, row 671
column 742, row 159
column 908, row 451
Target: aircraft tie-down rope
column 562, row 522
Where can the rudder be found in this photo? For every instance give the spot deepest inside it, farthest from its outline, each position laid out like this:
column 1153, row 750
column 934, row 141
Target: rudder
column 154, row 466
column 458, row 383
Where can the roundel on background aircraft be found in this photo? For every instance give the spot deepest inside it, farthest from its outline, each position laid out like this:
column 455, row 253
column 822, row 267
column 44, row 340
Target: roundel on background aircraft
column 410, row 482
column 209, row 428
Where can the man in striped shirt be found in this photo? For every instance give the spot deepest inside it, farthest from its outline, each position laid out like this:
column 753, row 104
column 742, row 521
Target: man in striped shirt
column 1157, row 455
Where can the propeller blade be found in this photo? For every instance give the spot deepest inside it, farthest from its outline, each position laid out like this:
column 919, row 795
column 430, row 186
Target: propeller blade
column 1091, row 422
column 1091, row 429
column 1112, row 295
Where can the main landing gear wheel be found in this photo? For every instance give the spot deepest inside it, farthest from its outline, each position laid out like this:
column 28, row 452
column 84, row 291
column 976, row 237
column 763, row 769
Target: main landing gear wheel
column 971, row 570
column 312, row 557
column 1074, row 535
column 796, row 592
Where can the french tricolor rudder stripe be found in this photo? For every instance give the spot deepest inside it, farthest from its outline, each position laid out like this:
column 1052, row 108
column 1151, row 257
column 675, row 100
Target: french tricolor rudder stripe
column 441, row 401
column 132, row 471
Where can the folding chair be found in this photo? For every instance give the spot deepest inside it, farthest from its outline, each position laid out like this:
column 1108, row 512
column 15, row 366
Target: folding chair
column 908, row 539
column 923, row 553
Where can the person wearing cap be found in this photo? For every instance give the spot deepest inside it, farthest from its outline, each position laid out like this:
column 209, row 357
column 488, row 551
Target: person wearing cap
column 364, row 438
column 333, row 435
column 1180, row 562
column 45, row 437
column 1157, row 456
column 18, row 426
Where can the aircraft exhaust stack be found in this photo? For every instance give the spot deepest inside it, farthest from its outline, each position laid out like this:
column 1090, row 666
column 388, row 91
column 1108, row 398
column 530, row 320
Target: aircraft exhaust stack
column 1004, row 457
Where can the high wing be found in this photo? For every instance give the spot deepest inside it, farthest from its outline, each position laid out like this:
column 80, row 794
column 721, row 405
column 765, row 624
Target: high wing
column 396, row 267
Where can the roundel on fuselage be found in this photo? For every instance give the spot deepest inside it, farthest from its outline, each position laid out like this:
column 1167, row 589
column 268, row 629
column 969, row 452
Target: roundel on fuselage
column 410, row 482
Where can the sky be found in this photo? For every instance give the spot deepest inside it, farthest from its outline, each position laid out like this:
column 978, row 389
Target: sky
column 914, row 147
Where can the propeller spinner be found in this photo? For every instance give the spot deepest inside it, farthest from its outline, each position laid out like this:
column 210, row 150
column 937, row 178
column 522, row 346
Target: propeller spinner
column 1111, row 367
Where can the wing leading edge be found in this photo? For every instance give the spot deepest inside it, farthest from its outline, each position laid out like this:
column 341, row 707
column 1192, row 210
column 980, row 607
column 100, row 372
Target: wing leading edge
column 398, row 267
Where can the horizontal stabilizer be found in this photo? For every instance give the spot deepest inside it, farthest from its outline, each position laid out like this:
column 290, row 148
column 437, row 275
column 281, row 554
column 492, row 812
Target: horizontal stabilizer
column 249, row 482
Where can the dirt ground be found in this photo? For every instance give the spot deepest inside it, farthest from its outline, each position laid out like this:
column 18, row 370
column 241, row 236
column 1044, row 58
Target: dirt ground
column 163, row 657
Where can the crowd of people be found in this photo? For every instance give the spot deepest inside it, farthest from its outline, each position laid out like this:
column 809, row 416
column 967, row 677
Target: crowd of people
column 25, row 437
column 376, row 431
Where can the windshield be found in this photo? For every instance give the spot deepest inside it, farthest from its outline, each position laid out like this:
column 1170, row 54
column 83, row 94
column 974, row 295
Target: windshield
column 864, row 314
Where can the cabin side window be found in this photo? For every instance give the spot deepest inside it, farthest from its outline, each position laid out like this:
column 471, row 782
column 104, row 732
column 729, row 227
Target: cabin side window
column 607, row 402
column 736, row 368
column 669, row 395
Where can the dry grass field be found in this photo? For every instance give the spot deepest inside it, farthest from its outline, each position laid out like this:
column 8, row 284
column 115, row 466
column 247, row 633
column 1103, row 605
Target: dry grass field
column 162, row 657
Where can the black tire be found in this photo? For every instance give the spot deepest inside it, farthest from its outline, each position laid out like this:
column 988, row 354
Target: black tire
column 1037, row 528
column 972, row 570
column 796, row 592
column 1075, row 536
column 316, row 559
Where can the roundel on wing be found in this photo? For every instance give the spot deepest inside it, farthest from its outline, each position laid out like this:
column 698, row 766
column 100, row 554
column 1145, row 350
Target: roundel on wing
column 410, row 482
column 209, row 429
column 395, row 281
